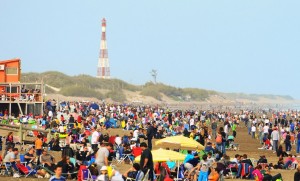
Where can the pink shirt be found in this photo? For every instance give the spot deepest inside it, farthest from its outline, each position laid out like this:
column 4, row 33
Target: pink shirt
column 258, row 174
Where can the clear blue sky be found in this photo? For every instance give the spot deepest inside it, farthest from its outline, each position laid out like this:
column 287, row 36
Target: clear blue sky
column 249, row 46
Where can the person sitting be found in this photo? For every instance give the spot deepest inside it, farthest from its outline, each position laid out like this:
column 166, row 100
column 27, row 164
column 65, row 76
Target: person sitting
column 55, row 145
column 246, row 160
column 47, row 160
column 67, row 151
column 103, row 175
column 280, row 152
column 280, row 163
column 29, row 156
column 267, row 175
column 164, row 176
column 84, row 155
column 67, row 167
column 236, row 159
column 209, row 148
column 161, row 164
column 210, row 158
column 262, row 159
column 11, row 159
column 288, row 161
column 258, row 176
column 214, row 175
column 134, row 173
column 297, row 174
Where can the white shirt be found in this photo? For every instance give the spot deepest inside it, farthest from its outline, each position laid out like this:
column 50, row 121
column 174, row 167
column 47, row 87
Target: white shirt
column 95, row 136
column 253, row 129
column 136, row 134
column 192, row 122
column 61, row 129
column 118, row 140
column 266, row 129
column 226, row 128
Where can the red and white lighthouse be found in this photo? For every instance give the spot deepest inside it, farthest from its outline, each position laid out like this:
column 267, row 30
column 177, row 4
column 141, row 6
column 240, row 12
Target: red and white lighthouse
column 103, row 70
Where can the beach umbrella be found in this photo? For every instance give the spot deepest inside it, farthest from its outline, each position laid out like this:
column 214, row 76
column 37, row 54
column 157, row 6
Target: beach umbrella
column 162, row 155
column 185, row 143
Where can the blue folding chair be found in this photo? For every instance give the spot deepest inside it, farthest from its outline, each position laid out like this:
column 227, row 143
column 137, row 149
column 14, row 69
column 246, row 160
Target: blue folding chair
column 22, row 160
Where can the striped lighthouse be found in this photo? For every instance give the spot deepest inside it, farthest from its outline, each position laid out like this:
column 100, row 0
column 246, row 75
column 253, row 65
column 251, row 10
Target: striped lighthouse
column 103, row 70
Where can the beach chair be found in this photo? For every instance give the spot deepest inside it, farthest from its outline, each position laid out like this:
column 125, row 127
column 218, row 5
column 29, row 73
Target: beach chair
column 124, row 157
column 87, row 176
column 22, row 159
column 8, row 169
column 146, row 176
column 139, row 176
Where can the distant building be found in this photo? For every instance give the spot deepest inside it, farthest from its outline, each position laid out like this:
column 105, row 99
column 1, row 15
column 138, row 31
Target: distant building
column 16, row 97
column 10, row 71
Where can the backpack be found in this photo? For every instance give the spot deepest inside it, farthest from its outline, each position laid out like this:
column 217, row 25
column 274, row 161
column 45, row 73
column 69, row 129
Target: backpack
column 219, row 139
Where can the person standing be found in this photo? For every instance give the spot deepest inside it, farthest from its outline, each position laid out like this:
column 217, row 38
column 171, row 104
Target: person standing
column 214, row 126
column 253, row 131
column 146, row 161
column 38, row 146
column 287, row 142
column 298, row 142
column 150, row 133
column 95, row 138
column 249, row 125
column 102, row 155
column 233, row 128
column 275, row 139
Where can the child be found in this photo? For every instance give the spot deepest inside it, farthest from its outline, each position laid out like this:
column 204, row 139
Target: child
column 204, row 166
column 57, row 176
column 103, row 175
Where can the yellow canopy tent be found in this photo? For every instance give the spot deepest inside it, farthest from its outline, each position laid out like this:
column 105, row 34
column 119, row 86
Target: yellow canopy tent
column 162, row 155
column 185, row 143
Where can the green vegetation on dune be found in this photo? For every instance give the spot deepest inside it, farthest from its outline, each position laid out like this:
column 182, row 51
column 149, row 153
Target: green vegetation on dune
column 80, row 91
column 155, row 90
column 88, row 86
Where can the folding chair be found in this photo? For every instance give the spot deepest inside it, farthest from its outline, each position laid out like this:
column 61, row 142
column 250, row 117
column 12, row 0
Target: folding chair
column 87, row 176
column 31, row 171
column 139, row 176
column 8, row 168
column 146, row 176
column 124, row 157
column 22, row 160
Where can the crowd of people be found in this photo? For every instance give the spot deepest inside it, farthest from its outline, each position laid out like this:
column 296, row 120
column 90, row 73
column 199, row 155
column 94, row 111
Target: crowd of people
column 81, row 133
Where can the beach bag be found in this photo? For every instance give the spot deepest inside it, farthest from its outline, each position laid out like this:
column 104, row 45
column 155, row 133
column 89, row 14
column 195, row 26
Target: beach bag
column 219, row 139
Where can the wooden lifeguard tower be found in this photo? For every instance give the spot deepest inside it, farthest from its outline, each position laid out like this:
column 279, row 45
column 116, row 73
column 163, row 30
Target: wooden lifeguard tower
column 16, row 97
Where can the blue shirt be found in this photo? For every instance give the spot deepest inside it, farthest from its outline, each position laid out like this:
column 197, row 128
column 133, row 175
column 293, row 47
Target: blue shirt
column 53, row 178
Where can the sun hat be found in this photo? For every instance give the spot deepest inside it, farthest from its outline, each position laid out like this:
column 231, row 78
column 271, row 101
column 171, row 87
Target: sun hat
column 103, row 168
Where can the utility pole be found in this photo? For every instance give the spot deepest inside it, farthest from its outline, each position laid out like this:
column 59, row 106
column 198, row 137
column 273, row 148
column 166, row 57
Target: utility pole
column 154, row 75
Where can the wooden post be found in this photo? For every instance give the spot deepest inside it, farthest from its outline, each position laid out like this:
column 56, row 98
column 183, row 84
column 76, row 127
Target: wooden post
column 49, row 135
column 21, row 134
